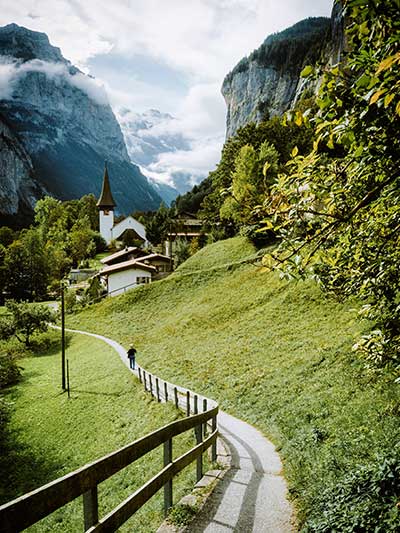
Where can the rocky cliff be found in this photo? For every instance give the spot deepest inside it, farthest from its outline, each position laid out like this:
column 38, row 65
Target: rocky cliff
column 268, row 82
column 65, row 124
column 18, row 188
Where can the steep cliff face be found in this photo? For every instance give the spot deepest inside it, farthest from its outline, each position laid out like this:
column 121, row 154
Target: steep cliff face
column 268, row 82
column 65, row 123
column 18, row 188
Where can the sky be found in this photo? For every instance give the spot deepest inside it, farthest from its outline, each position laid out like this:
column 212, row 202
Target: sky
column 170, row 55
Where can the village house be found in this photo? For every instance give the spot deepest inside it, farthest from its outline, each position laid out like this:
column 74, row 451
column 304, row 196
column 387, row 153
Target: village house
column 126, row 275
column 185, row 226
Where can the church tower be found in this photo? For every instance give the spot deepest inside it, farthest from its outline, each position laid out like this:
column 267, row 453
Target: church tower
column 106, row 206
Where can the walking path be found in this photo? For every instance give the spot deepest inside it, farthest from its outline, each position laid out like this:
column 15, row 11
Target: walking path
column 251, row 498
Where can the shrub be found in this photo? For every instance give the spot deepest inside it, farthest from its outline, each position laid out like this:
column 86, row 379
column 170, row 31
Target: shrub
column 365, row 500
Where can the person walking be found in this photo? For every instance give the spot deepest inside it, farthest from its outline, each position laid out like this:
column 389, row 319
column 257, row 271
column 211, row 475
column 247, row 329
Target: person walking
column 131, row 356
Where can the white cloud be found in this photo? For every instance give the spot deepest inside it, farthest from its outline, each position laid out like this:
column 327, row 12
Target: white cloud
column 12, row 70
column 197, row 41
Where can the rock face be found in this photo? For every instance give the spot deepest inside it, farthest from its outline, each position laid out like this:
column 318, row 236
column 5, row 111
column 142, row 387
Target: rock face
column 268, row 82
column 65, row 124
column 18, row 187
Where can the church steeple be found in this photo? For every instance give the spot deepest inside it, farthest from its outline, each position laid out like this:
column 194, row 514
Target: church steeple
column 106, row 200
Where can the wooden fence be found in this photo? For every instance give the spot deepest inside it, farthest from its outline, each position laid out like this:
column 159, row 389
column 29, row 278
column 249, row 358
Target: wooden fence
column 32, row 507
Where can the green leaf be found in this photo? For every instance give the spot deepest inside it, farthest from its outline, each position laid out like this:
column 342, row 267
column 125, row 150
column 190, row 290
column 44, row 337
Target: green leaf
column 306, row 71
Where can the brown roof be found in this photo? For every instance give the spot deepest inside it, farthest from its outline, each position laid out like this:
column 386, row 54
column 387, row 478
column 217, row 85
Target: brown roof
column 155, row 256
column 126, row 265
column 122, row 253
column 106, row 199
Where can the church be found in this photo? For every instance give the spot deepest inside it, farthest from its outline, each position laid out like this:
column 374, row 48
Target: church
column 108, row 229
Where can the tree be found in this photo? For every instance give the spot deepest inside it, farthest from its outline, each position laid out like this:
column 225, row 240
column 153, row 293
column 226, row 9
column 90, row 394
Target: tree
column 338, row 209
column 81, row 244
column 26, row 267
column 25, row 320
column 7, row 236
column 254, row 173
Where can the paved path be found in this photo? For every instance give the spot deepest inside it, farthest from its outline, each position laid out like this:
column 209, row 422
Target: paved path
column 251, row 498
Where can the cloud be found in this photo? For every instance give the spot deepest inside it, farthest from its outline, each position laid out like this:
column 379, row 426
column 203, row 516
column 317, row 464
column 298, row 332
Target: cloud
column 12, row 70
column 190, row 44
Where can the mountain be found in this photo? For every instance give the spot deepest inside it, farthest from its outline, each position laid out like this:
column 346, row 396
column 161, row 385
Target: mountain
column 64, row 122
column 151, row 135
column 18, row 187
column 268, row 82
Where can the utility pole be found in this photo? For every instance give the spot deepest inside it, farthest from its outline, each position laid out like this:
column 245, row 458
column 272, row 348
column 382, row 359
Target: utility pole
column 62, row 337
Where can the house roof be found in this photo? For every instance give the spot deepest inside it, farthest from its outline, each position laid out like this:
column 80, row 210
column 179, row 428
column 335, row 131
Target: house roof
column 121, row 254
column 127, row 265
column 106, row 199
column 160, row 257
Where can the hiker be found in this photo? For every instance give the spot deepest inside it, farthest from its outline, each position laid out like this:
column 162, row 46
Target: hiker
column 131, row 355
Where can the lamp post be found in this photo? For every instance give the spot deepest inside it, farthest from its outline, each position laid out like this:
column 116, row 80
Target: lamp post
column 63, row 386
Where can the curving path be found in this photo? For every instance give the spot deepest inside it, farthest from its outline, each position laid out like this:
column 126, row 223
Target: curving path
column 251, row 497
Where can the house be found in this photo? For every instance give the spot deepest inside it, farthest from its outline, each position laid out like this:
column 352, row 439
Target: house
column 129, row 252
column 126, row 275
column 108, row 230
column 164, row 265
column 184, row 226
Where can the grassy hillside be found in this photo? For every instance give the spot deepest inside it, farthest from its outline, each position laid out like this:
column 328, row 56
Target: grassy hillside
column 278, row 355
column 50, row 435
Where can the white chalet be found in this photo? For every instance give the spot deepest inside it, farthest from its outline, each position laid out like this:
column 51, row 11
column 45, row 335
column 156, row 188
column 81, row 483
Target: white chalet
column 122, row 277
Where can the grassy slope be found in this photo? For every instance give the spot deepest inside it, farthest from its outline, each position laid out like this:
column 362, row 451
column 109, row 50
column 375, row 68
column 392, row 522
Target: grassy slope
column 276, row 354
column 51, row 435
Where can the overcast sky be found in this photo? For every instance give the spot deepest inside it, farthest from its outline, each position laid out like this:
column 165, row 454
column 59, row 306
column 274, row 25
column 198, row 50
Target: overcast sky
column 170, row 55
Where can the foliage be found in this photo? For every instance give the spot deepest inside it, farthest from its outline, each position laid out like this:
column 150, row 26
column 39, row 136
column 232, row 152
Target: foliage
column 7, row 235
column 24, row 320
column 365, row 500
column 9, row 370
column 158, row 225
column 26, row 267
column 190, row 202
column 182, row 514
column 338, row 214
column 270, row 133
column 181, row 251
column 253, row 175
column 64, row 234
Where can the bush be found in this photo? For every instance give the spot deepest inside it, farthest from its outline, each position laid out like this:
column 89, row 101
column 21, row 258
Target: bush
column 365, row 500
column 9, row 370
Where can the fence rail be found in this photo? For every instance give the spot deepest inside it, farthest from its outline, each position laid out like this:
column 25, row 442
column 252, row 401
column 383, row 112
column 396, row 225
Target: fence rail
column 32, row 507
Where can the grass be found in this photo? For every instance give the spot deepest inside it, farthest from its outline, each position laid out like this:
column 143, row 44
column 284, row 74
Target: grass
column 96, row 261
column 50, row 435
column 274, row 353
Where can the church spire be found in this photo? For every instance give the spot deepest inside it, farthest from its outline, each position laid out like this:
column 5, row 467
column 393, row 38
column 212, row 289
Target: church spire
column 106, row 200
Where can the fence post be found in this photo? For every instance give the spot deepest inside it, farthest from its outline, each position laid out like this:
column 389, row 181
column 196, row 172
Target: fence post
column 90, row 508
column 144, row 380
column 176, row 397
column 168, row 485
column 195, row 406
column 214, row 446
column 140, row 373
column 166, row 391
column 205, row 423
column 157, row 390
column 151, row 385
column 199, row 461
column 187, row 403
